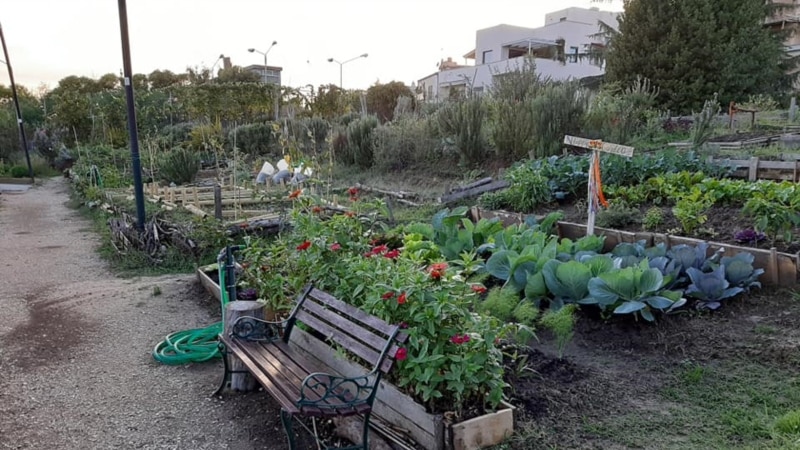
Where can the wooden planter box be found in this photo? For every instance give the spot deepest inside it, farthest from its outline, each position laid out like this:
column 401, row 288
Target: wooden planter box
column 208, row 283
column 780, row 269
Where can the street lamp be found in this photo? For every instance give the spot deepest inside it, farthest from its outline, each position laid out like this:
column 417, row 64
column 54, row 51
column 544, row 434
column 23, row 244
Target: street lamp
column 364, row 55
column 252, row 50
column 220, row 58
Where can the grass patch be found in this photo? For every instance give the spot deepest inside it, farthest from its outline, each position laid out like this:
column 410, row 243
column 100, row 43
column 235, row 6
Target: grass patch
column 732, row 405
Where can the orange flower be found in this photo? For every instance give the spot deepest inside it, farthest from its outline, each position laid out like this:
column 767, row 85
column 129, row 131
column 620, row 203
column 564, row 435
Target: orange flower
column 387, row 295
column 296, row 193
column 316, row 210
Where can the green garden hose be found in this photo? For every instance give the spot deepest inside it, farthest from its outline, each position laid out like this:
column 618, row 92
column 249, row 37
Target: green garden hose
column 199, row 344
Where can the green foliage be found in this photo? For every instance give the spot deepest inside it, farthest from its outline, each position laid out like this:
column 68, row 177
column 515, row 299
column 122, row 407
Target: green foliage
column 789, row 423
column 526, row 313
column 19, row 171
column 691, row 209
column 407, row 144
column 177, row 135
column 455, row 234
column 562, row 323
column 774, row 207
column 462, row 122
column 382, row 99
column 500, row 303
column 703, row 126
column 618, row 215
column 653, row 219
column 528, row 190
column 178, row 166
column 557, row 110
column 739, row 56
column 254, row 139
column 618, row 111
column 359, row 146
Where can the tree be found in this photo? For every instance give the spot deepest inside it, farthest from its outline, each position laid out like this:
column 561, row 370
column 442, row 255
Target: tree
column 692, row 49
column 163, row 78
column 382, row 98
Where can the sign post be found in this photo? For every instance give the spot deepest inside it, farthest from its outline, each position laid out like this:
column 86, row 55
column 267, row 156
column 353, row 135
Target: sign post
column 595, row 193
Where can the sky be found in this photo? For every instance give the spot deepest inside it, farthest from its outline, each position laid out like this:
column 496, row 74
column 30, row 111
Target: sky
column 51, row 39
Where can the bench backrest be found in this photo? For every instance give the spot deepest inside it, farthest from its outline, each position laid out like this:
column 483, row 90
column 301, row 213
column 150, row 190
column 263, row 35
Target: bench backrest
column 368, row 337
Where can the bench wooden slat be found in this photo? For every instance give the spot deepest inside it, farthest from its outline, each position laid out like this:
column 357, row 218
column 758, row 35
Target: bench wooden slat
column 286, row 403
column 342, row 323
column 352, row 345
column 373, row 322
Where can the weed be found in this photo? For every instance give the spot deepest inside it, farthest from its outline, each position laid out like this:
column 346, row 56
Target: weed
column 789, row 423
column 562, row 324
column 653, row 219
column 156, row 291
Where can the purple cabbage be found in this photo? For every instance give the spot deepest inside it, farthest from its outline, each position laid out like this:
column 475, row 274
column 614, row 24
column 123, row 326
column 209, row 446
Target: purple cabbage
column 749, row 236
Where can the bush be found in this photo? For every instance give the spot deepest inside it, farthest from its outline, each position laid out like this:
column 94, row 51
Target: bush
column 462, row 122
column 618, row 215
column 529, row 189
column 359, row 148
column 175, row 135
column 406, row 144
column 178, row 166
column 558, row 110
column 254, row 139
column 19, row 171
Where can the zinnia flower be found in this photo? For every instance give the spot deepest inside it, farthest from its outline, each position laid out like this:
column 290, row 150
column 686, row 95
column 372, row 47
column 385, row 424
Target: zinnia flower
column 304, row 246
column 401, row 354
column 350, row 214
column 401, row 299
column 392, row 254
column 457, row 339
column 466, row 338
column 403, row 325
column 387, row 295
column 336, row 246
column 379, row 249
column 353, row 191
column 478, row 289
column 316, row 210
column 296, row 193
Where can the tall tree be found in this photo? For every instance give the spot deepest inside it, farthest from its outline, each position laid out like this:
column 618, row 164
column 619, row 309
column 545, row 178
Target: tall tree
column 691, row 49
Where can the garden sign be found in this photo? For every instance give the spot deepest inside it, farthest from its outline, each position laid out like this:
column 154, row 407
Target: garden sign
column 596, row 197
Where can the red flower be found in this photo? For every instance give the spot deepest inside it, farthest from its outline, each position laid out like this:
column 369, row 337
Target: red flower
column 316, row 210
column 403, row 325
column 457, row 339
column 244, row 225
column 478, row 289
column 245, row 265
column 304, row 245
column 402, row 298
column 392, row 254
column 353, row 191
column 401, row 354
column 350, row 214
column 336, row 246
column 379, row 249
column 296, row 193
column 439, row 266
column 387, row 295
column 466, row 338
column 437, row 270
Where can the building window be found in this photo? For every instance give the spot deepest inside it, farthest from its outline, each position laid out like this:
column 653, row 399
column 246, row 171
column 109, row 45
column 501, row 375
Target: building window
column 484, row 58
column 430, row 91
column 573, row 55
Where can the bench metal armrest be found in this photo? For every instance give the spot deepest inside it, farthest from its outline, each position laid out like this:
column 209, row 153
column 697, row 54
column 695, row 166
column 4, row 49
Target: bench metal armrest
column 319, row 388
column 252, row 329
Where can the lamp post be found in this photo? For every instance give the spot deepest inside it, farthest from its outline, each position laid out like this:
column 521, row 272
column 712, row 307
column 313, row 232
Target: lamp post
column 220, row 58
column 341, row 64
column 252, row 50
column 22, row 140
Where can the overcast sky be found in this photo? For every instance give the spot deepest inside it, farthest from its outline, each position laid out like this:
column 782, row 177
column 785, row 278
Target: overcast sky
column 50, row 39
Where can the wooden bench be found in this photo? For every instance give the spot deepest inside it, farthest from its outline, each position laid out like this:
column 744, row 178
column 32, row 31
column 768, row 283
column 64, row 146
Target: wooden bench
column 303, row 391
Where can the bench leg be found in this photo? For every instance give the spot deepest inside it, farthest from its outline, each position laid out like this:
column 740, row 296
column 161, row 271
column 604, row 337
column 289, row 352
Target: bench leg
column 226, row 377
column 365, row 435
column 286, row 418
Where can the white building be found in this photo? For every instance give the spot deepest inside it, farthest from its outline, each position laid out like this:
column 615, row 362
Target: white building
column 558, row 46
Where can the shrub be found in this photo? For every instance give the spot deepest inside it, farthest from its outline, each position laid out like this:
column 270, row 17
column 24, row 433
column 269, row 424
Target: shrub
column 178, row 166
column 382, row 99
column 618, row 215
column 653, row 219
column 254, row 139
column 19, row 171
column 175, row 135
column 617, row 112
column 207, row 137
column 405, row 144
column 529, row 189
column 703, row 126
column 462, row 123
column 556, row 111
column 47, row 143
column 360, row 146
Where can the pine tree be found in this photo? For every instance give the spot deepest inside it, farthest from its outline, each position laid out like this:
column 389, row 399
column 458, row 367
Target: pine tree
column 692, row 49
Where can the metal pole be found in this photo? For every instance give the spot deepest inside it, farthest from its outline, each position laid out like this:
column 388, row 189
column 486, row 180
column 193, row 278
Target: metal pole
column 23, row 141
column 134, row 135
column 265, row 68
column 340, row 76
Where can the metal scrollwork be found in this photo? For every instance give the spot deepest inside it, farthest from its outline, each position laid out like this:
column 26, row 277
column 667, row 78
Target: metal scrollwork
column 324, row 391
column 252, row 329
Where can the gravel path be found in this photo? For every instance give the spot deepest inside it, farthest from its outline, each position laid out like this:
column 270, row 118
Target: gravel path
column 75, row 342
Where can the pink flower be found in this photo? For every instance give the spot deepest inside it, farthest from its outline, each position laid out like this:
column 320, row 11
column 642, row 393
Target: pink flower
column 379, row 249
column 336, row 246
column 304, row 246
column 403, row 325
column 457, row 339
column 466, row 338
column 401, row 354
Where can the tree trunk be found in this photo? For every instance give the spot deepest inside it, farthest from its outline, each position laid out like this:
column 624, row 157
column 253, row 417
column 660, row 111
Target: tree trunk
column 242, row 382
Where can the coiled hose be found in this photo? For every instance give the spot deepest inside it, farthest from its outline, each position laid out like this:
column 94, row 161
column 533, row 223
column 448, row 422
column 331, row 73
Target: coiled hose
column 200, row 344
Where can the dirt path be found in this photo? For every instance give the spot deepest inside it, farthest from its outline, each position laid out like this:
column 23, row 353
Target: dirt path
column 75, row 343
